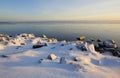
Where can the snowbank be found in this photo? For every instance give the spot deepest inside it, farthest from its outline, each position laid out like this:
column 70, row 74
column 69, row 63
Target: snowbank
column 66, row 59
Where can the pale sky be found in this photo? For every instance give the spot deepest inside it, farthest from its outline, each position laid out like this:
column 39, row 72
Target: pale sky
column 40, row 10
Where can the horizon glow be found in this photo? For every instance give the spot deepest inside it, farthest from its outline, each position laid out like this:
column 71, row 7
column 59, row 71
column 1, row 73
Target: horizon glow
column 41, row 10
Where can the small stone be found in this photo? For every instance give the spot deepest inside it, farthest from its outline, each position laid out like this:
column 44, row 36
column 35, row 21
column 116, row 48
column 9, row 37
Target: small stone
column 52, row 57
column 82, row 38
column 62, row 44
column 71, row 49
column 40, row 61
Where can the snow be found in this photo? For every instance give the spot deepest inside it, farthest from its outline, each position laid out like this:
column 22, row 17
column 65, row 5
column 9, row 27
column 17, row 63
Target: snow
column 1, row 47
column 23, row 61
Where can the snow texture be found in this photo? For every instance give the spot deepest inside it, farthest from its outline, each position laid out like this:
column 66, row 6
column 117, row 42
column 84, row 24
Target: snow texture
column 22, row 61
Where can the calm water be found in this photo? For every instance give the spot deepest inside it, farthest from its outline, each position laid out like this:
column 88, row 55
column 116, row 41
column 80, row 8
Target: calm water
column 65, row 30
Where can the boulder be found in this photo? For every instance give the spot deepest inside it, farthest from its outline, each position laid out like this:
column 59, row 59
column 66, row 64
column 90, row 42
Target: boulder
column 52, row 57
column 109, row 44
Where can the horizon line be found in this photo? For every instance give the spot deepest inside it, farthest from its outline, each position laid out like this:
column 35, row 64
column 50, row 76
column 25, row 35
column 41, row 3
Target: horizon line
column 61, row 21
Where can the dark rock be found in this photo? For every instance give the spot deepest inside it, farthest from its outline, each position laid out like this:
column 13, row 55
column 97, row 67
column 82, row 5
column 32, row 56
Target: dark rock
column 22, row 43
column 63, row 60
column 75, row 59
column 116, row 52
column 109, row 44
column 45, row 44
column 18, row 47
column 40, row 61
column 82, row 47
column 5, row 56
column 89, row 41
column 10, row 36
column 99, row 40
column 71, row 49
column 37, row 46
column 62, row 44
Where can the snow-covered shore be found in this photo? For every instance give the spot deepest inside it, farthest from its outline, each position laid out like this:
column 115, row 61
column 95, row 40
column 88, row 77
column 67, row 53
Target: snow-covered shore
column 27, row 56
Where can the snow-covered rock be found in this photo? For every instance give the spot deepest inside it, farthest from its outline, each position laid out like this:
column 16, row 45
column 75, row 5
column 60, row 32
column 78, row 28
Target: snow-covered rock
column 52, row 57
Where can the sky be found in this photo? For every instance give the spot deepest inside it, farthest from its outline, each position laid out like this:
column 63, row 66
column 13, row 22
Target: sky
column 42, row 10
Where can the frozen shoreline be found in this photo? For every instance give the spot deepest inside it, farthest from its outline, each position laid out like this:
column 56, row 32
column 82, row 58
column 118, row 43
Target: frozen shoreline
column 19, row 59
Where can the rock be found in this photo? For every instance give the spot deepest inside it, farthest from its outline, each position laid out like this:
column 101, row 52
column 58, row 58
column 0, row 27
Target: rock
column 37, row 46
column 1, row 40
column 62, row 44
column 5, row 56
column 116, row 52
column 52, row 57
column 71, row 49
column 89, row 41
column 44, row 36
column 22, row 43
column 63, row 60
column 113, row 41
column 109, row 44
column 82, row 47
column 82, row 38
column 52, row 40
column 92, row 39
column 75, row 59
column 99, row 40
column 40, row 61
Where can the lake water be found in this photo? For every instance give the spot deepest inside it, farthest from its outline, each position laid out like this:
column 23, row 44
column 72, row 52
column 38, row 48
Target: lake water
column 65, row 30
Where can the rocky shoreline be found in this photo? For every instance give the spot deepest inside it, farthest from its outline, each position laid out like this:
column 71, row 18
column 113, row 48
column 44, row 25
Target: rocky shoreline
column 100, row 46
